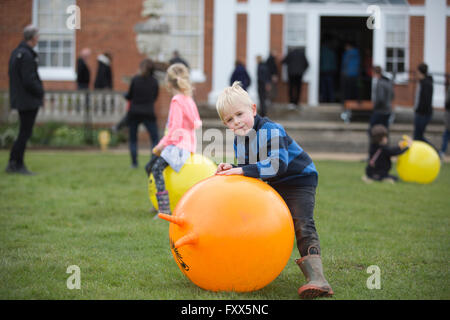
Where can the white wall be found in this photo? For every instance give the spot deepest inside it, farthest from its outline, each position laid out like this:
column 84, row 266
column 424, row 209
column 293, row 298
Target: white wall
column 224, row 46
column 435, row 44
column 258, row 38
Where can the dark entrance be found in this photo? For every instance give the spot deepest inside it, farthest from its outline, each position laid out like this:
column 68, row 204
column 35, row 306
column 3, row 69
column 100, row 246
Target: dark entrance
column 335, row 34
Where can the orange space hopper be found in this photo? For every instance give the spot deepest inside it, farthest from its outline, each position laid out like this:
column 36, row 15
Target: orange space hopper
column 231, row 233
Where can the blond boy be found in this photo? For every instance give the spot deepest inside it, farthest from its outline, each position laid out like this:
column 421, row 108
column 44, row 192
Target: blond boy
column 265, row 151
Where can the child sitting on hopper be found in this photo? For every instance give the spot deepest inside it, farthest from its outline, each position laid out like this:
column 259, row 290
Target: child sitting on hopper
column 177, row 145
column 380, row 154
column 264, row 150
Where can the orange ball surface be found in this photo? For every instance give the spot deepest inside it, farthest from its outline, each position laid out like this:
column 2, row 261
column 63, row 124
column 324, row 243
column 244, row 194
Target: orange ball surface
column 231, row 233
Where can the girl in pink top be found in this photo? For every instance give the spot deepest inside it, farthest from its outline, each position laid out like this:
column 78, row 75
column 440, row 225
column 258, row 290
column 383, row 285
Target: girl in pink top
column 175, row 148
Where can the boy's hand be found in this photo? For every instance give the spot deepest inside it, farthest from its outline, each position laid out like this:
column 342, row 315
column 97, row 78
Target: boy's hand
column 223, row 166
column 232, row 171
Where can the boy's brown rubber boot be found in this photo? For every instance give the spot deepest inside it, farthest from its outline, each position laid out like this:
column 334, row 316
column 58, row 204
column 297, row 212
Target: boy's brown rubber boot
column 316, row 286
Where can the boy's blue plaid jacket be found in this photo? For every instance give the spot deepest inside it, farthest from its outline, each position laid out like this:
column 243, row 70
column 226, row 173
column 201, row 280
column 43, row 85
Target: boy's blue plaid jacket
column 267, row 152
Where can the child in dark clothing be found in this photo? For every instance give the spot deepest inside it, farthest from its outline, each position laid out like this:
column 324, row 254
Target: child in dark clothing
column 264, row 150
column 380, row 154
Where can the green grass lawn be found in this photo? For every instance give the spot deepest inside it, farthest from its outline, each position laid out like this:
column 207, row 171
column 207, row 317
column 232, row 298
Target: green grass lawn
column 92, row 210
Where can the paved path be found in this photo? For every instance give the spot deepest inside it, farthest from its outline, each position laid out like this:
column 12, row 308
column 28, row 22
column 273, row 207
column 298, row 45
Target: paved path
column 338, row 156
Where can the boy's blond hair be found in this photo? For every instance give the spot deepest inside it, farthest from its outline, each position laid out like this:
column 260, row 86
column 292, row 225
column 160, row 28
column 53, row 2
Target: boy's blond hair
column 233, row 95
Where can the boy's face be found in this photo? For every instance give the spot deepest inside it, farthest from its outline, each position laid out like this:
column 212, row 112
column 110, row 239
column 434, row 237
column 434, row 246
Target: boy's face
column 239, row 118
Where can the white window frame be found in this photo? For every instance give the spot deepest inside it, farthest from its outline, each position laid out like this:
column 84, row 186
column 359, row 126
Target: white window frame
column 196, row 74
column 56, row 73
column 404, row 76
column 297, row 43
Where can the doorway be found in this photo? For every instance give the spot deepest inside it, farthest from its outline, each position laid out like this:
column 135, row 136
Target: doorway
column 336, row 32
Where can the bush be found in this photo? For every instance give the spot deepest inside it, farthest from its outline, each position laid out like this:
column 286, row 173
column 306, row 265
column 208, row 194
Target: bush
column 65, row 136
column 7, row 136
column 54, row 134
column 43, row 133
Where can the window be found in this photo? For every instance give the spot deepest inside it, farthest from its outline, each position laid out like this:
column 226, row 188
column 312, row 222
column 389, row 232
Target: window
column 296, row 30
column 396, row 43
column 185, row 19
column 56, row 41
column 393, row 2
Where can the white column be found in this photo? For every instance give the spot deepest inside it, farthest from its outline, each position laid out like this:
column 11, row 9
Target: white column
column 434, row 47
column 378, row 44
column 224, row 46
column 258, row 38
column 313, row 56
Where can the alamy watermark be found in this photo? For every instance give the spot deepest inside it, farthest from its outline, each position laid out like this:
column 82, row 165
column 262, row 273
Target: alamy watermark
column 374, row 20
column 256, row 147
column 374, row 281
column 74, row 20
column 74, row 281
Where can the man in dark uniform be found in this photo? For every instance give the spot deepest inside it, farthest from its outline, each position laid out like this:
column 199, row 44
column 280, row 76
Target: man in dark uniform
column 26, row 95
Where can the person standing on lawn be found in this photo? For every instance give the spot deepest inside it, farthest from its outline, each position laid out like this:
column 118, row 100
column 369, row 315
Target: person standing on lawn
column 26, row 95
column 382, row 97
column 423, row 108
column 142, row 94
column 446, row 134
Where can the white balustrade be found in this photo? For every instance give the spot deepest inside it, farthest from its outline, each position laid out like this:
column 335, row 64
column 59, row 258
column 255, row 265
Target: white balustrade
column 70, row 107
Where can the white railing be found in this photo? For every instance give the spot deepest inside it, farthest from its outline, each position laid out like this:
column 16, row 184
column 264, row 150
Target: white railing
column 97, row 107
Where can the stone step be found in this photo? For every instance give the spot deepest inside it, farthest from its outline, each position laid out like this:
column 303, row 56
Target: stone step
column 305, row 125
column 323, row 137
column 326, row 112
column 320, row 129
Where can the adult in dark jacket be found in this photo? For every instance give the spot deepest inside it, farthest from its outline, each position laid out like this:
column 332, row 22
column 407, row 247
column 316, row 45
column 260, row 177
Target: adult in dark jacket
column 328, row 68
column 103, row 80
column 297, row 64
column 264, row 83
column 350, row 71
column 446, row 134
column 240, row 74
column 142, row 94
column 176, row 58
column 271, row 63
column 83, row 73
column 382, row 96
column 26, row 95
column 423, row 103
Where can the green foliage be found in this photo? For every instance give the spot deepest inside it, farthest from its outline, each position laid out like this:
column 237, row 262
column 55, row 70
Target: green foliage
column 66, row 136
column 43, row 134
column 55, row 134
column 91, row 210
column 7, row 135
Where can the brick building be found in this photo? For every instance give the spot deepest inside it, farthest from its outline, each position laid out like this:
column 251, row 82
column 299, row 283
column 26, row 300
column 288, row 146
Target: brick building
column 212, row 34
